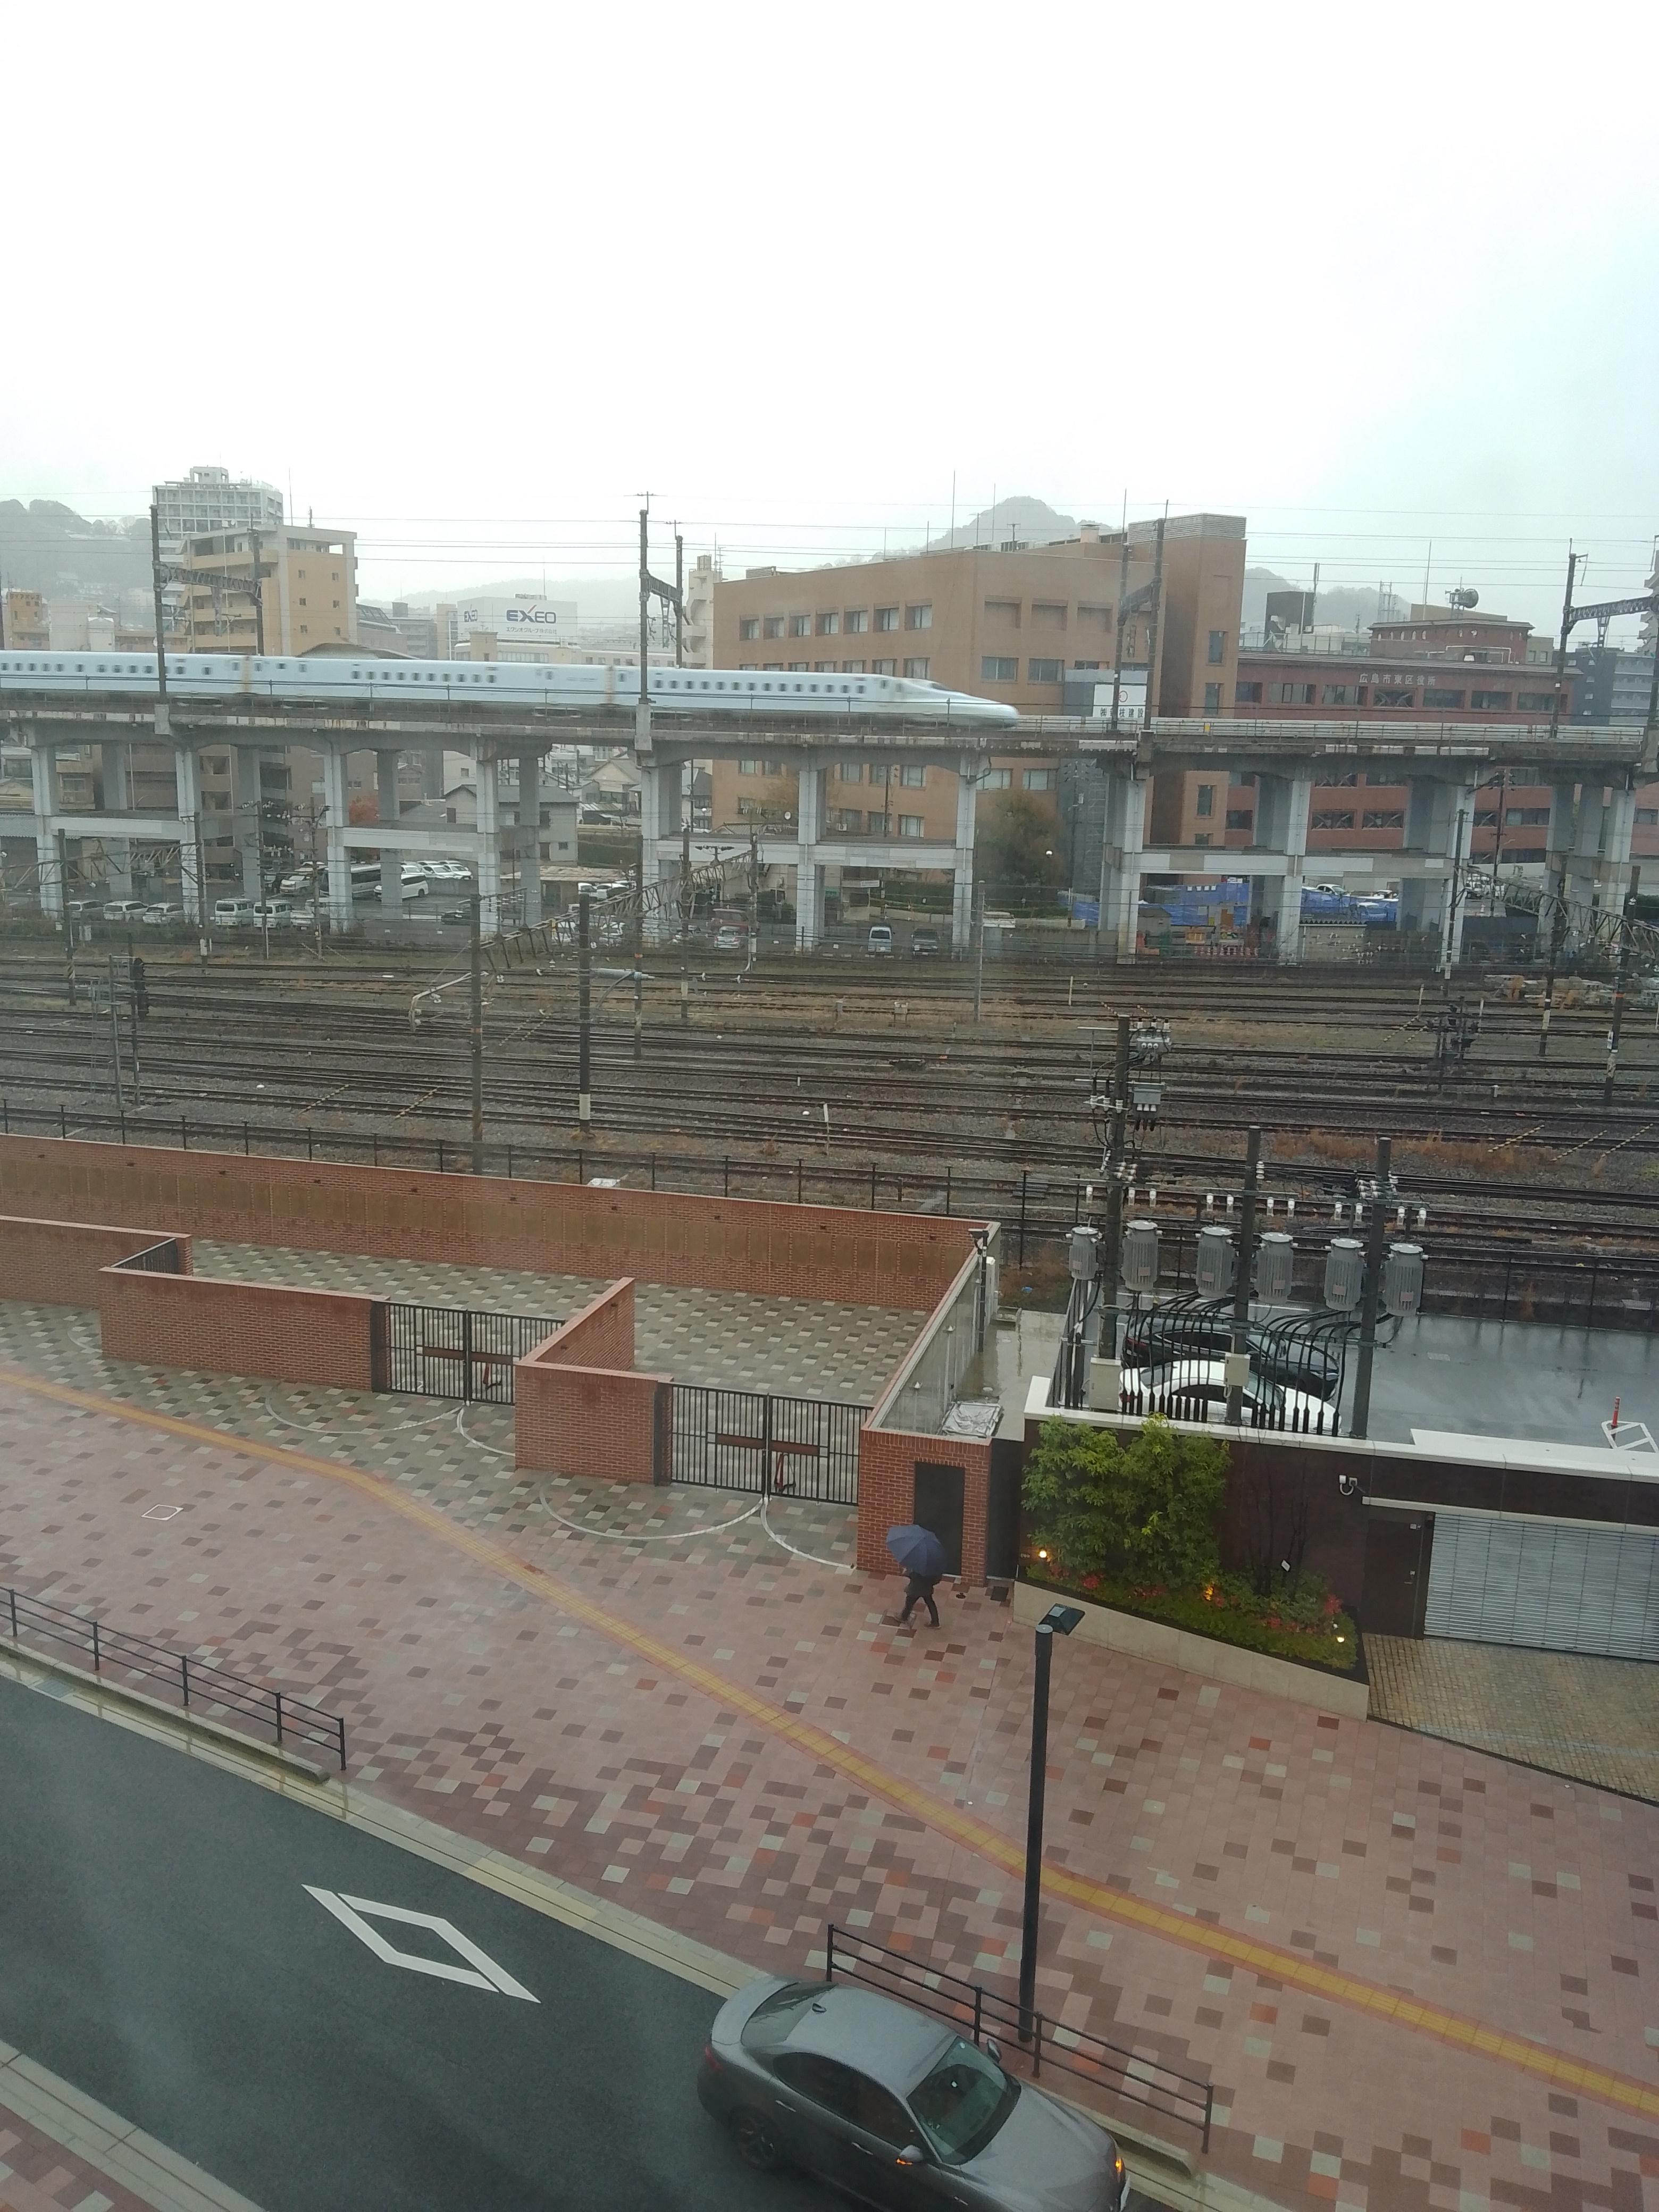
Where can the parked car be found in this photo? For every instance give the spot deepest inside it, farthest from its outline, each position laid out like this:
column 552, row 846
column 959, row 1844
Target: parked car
column 924, row 943
column 461, row 914
column 894, row 2107
column 880, row 939
column 124, row 910
column 274, row 914
column 84, row 910
column 233, row 914
column 163, row 916
column 1196, row 1390
column 728, row 937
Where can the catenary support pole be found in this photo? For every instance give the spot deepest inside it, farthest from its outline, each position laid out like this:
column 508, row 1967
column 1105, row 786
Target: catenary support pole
column 475, row 1024
column 1241, row 1339
column 1621, row 985
column 686, row 916
column 1028, row 1946
column 584, row 1009
column 639, row 940
column 1111, row 1274
column 115, row 1039
column 1376, row 1247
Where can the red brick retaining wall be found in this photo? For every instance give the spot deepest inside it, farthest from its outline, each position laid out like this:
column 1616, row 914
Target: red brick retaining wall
column 887, row 1494
column 899, row 1260
column 57, row 1263
column 578, row 1408
column 239, row 1328
column 600, row 1335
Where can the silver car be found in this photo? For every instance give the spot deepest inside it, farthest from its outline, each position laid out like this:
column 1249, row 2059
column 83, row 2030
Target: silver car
column 896, row 2108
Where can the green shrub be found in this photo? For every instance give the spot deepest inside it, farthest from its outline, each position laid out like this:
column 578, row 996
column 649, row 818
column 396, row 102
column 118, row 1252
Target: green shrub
column 1146, row 1513
column 1313, row 1628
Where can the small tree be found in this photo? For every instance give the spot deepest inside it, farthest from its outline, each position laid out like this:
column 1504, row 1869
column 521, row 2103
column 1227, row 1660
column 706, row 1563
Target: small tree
column 1014, row 854
column 1147, row 1512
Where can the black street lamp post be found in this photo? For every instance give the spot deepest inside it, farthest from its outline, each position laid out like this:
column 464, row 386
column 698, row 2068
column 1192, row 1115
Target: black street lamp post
column 1060, row 1620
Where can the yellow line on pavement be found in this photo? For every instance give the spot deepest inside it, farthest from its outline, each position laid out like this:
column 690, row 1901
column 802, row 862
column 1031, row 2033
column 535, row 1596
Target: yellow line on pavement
column 989, row 1844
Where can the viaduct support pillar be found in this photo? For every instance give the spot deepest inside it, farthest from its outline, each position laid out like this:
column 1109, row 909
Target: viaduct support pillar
column 530, row 838
column 386, row 811
column 249, row 821
column 809, row 872
column 490, row 843
column 187, row 781
column 335, row 819
column 962, row 880
column 660, row 783
column 1282, row 807
column 43, row 765
column 1121, row 854
column 118, row 799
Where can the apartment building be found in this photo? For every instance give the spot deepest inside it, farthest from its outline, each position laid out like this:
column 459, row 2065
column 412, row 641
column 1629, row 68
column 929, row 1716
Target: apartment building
column 212, row 498
column 27, row 624
column 307, row 584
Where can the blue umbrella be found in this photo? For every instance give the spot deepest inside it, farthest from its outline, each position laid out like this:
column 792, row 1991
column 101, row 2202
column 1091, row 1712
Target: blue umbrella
column 918, row 1550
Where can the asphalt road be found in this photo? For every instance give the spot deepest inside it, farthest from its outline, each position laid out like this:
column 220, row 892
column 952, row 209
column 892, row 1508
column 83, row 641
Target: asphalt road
column 159, row 1949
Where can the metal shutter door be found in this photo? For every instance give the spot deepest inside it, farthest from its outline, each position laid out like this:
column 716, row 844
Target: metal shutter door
column 1552, row 1588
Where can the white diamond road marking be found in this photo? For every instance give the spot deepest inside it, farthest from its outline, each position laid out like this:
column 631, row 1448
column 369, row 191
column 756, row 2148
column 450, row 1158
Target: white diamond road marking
column 350, row 1910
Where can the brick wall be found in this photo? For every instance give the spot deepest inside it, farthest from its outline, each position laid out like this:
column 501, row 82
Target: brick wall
column 899, row 1260
column 579, row 1409
column 887, row 1492
column 238, row 1329
column 600, row 1335
column 57, row 1263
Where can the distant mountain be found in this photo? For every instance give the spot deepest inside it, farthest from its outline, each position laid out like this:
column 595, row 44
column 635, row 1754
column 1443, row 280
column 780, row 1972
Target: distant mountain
column 1355, row 606
column 48, row 547
column 1031, row 521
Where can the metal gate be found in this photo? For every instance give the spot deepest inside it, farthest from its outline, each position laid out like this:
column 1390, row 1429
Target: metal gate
column 781, row 1447
column 1545, row 1584
column 450, row 1351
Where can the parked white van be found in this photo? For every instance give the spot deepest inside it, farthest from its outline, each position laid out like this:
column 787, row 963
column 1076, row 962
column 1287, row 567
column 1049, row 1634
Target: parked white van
column 233, row 914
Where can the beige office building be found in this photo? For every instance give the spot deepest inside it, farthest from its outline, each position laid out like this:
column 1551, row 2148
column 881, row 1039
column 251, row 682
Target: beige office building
column 307, row 587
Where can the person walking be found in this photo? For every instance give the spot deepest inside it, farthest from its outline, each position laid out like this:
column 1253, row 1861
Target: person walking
column 919, row 1591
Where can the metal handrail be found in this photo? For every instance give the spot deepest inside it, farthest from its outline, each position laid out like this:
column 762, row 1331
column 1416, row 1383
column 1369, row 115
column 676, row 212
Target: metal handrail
column 294, row 1719
column 1124, row 2075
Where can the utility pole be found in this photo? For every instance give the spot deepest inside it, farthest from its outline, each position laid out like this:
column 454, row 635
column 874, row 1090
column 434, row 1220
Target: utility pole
column 1375, row 1250
column 754, row 897
column 1558, row 937
column 1152, row 624
column 475, row 1030
column 64, row 909
column 639, row 938
column 1561, row 648
column 1621, row 975
column 679, row 600
column 1117, row 650
column 686, row 916
column 1451, row 908
column 1111, row 1273
column 132, row 1025
column 979, row 949
column 1240, row 1343
column 258, row 600
column 645, row 599
column 161, row 730
column 584, row 1012
column 115, row 1039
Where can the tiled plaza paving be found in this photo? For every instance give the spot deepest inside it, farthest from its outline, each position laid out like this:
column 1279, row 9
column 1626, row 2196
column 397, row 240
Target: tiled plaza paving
column 39, row 2174
column 797, row 1347
column 1417, row 1976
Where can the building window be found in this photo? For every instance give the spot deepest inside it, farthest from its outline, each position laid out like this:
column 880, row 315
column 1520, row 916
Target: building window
column 1212, row 698
column 1240, row 818
column 886, row 618
column 799, row 666
column 857, row 621
column 1247, row 695
column 916, row 668
column 1485, row 817
column 884, row 667
column 1085, row 663
column 1532, row 817
column 1646, row 817
column 823, row 667
column 1037, row 778
column 749, row 663
column 852, row 668
column 997, row 668
column 1200, row 837
column 1535, row 702
column 1491, row 701
column 1217, row 650
column 1047, row 614
column 775, row 768
column 749, row 627
column 996, row 779
column 1339, row 694
column 912, row 776
column 1383, row 817
column 920, row 617
column 1293, row 694
column 1443, row 698
column 749, row 767
column 800, row 625
column 911, row 825
column 1389, row 695
column 1044, row 671
column 1003, row 611
column 1333, row 821
column 846, row 817
column 849, row 772
column 774, row 627
column 1206, row 800
column 828, row 626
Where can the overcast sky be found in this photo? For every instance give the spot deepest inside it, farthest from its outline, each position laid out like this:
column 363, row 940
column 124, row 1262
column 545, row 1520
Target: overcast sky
column 472, row 280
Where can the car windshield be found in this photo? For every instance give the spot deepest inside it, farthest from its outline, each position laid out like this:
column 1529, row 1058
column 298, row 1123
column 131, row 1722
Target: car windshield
column 963, row 2101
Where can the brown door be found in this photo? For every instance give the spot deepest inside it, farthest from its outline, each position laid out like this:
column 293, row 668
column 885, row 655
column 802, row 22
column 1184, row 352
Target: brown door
column 1396, row 1591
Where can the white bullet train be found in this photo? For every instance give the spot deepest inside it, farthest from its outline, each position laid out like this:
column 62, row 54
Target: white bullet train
column 344, row 680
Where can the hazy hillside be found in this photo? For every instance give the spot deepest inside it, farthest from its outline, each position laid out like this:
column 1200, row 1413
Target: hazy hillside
column 47, row 547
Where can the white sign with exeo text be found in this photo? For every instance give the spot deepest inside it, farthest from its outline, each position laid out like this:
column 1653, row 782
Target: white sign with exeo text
column 544, row 620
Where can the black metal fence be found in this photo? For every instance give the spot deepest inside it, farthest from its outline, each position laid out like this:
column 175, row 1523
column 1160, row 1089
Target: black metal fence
column 203, row 1688
column 452, row 1352
column 165, row 1258
column 780, row 1447
column 1122, row 2076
